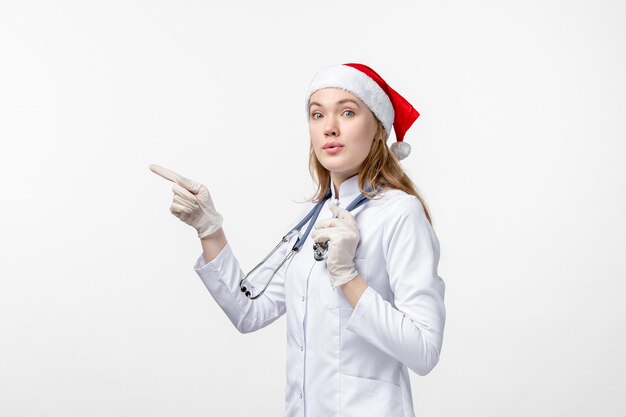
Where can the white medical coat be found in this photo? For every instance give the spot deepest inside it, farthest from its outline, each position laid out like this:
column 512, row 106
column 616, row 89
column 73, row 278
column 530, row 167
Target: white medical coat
column 343, row 361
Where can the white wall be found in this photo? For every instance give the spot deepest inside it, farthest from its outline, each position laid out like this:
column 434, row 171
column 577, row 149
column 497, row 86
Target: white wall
column 518, row 151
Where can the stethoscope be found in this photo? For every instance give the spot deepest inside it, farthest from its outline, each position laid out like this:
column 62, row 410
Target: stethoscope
column 320, row 249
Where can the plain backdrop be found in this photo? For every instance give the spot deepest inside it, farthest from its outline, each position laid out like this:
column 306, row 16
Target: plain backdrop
column 519, row 153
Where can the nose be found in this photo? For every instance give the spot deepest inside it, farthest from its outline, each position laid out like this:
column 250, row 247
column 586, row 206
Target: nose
column 331, row 128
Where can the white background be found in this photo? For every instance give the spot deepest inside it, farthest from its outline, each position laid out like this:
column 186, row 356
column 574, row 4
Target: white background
column 519, row 153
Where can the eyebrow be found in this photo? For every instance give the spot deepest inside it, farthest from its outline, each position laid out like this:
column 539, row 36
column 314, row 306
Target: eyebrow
column 345, row 100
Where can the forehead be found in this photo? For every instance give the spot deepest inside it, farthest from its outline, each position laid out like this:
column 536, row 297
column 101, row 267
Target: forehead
column 330, row 95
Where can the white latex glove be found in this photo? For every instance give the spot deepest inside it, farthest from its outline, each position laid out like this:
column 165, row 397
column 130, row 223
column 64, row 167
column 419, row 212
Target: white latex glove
column 192, row 203
column 343, row 236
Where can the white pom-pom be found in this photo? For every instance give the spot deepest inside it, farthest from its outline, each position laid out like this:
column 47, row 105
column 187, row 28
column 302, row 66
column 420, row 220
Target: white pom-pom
column 401, row 150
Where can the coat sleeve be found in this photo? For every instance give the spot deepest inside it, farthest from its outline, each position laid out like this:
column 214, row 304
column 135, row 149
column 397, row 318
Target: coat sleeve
column 222, row 275
column 412, row 331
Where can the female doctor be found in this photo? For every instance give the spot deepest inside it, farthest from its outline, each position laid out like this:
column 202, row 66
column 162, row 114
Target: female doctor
column 374, row 306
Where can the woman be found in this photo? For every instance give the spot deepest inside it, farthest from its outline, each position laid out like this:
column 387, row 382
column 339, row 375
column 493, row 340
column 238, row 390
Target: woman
column 374, row 307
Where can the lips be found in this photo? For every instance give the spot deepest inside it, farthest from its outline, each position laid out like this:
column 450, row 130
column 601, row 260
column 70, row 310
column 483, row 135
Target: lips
column 333, row 145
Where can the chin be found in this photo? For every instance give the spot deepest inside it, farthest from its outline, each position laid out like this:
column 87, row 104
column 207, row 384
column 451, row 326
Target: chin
column 333, row 166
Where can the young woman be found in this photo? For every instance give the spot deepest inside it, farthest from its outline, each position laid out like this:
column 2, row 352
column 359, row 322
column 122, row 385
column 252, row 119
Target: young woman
column 367, row 303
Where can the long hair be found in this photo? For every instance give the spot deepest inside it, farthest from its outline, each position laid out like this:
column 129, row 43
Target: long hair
column 380, row 168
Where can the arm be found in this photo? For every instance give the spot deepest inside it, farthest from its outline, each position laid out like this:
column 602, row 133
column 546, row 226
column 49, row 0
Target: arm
column 219, row 270
column 217, row 266
column 412, row 331
column 221, row 277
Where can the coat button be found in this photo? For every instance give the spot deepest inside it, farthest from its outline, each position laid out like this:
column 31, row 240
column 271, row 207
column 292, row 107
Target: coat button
column 303, row 298
column 300, row 395
column 301, row 348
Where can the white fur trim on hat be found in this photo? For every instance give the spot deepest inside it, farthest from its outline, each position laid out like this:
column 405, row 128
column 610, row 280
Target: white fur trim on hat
column 359, row 84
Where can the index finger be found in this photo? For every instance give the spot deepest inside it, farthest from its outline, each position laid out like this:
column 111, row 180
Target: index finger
column 164, row 172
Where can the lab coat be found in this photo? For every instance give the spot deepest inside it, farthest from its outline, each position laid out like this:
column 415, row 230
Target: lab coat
column 344, row 361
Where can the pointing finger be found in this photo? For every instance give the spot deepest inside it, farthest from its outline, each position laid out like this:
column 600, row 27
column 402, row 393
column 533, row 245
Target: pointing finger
column 191, row 185
column 164, row 172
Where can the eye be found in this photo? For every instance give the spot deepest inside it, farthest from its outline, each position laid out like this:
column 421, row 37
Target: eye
column 315, row 114
column 349, row 111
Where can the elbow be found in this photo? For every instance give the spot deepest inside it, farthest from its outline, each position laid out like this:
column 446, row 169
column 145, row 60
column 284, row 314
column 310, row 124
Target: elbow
column 425, row 363
column 243, row 330
column 425, row 369
column 244, row 327
column 244, row 324
column 430, row 345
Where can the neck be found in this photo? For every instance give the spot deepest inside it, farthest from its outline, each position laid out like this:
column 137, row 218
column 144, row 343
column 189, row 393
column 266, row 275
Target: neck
column 338, row 178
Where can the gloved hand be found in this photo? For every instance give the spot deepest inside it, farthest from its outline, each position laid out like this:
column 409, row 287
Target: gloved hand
column 343, row 236
column 192, row 203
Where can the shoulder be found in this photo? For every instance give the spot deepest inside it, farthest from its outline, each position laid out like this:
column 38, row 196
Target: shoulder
column 405, row 221
column 398, row 203
column 402, row 214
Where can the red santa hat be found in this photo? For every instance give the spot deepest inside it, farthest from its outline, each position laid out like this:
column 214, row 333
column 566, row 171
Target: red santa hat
column 388, row 106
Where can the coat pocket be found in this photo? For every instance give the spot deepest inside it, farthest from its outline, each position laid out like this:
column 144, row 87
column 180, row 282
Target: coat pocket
column 364, row 397
column 335, row 298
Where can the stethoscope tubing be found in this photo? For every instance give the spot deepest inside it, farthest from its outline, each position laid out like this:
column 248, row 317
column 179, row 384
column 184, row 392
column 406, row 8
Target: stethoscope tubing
column 313, row 214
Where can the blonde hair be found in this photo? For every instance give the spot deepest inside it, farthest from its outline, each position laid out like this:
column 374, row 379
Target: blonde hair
column 380, row 168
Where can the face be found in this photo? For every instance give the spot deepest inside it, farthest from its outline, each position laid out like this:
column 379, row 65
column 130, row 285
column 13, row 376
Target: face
column 338, row 116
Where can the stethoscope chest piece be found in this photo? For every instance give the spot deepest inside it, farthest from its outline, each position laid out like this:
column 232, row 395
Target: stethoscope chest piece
column 320, row 250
